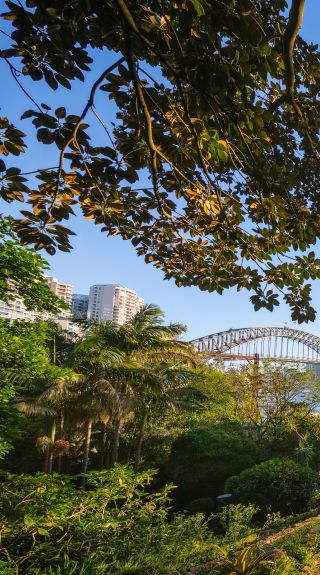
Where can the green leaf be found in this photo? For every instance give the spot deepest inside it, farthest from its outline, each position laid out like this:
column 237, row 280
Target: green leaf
column 199, row 6
column 42, row 531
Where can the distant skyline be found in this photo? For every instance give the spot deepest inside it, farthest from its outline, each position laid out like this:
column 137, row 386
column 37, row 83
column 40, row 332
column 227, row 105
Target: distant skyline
column 99, row 259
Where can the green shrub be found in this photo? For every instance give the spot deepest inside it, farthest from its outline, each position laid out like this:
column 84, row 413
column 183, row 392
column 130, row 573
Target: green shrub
column 275, row 485
column 205, row 456
column 237, row 522
column 6, row 569
column 252, row 560
column 116, row 526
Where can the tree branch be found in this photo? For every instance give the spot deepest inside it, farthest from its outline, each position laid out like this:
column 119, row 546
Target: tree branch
column 87, row 107
column 14, row 73
column 289, row 39
column 73, row 137
column 288, row 42
column 152, row 147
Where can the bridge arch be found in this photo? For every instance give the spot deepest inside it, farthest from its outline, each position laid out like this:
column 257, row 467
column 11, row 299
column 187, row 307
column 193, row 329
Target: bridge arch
column 242, row 338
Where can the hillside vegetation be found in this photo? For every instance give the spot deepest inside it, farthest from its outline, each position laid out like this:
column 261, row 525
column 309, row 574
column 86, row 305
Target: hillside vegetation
column 116, row 447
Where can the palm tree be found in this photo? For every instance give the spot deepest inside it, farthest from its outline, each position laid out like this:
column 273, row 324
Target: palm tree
column 98, row 401
column 173, row 389
column 35, row 406
column 58, row 395
column 139, row 346
column 131, row 382
column 144, row 332
column 120, row 372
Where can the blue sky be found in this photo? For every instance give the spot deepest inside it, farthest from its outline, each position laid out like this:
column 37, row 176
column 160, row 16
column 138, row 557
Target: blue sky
column 99, row 259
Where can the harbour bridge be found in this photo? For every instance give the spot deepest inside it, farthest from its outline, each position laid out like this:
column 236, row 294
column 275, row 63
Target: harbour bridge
column 259, row 343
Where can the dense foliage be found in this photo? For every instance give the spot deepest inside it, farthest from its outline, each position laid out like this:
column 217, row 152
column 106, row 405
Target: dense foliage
column 25, row 362
column 275, row 485
column 97, row 414
column 21, row 273
column 217, row 451
column 218, row 101
column 116, row 526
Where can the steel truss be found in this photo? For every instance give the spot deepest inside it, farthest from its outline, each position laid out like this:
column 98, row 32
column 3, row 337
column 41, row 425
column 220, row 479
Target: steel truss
column 225, row 341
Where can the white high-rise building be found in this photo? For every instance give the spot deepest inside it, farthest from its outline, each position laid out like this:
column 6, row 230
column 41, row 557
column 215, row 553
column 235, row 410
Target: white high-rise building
column 113, row 302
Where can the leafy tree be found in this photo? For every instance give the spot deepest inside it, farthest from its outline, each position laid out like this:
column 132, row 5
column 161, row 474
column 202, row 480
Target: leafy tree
column 217, row 100
column 279, row 405
column 21, row 273
column 26, row 371
column 213, row 398
column 6, row 393
column 275, row 485
column 23, row 347
column 122, row 373
column 203, row 458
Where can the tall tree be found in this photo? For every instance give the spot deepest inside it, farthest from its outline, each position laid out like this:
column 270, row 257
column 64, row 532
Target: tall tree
column 142, row 348
column 25, row 369
column 217, row 100
column 279, row 408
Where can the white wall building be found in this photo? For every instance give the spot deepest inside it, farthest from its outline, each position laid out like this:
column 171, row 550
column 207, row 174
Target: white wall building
column 64, row 317
column 105, row 302
column 113, row 302
column 17, row 310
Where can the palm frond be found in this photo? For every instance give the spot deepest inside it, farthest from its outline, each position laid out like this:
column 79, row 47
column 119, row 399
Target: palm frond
column 32, row 406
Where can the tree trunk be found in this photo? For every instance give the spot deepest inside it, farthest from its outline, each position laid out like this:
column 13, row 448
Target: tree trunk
column 46, row 460
column 54, row 352
column 137, row 458
column 103, row 445
column 60, row 456
column 51, row 448
column 115, row 442
column 86, row 452
column 107, row 459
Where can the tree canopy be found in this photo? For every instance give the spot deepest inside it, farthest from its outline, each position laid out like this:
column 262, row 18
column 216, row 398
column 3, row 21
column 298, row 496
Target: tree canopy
column 216, row 100
column 22, row 273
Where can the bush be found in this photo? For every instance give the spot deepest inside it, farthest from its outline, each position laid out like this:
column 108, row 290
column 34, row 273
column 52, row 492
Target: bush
column 116, row 526
column 275, row 485
column 237, row 523
column 205, row 456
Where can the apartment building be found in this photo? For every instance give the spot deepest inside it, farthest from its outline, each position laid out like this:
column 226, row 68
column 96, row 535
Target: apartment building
column 113, row 302
column 62, row 290
column 105, row 302
column 17, row 310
